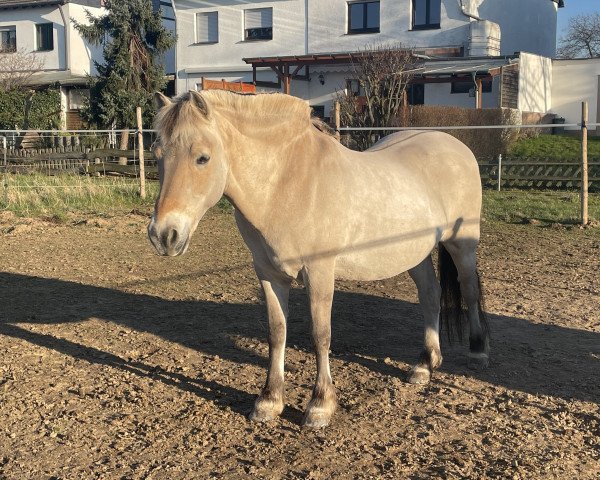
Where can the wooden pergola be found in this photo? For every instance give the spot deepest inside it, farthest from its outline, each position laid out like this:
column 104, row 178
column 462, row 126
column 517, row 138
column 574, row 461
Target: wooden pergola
column 288, row 68
column 452, row 68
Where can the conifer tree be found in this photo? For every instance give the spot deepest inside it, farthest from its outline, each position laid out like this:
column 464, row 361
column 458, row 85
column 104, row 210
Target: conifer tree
column 133, row 40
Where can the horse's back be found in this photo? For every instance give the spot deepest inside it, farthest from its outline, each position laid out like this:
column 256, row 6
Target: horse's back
column 443, row 162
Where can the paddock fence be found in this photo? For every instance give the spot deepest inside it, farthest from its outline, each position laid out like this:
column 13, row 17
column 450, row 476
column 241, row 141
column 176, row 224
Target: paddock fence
column 76, row 152
column 107, row 153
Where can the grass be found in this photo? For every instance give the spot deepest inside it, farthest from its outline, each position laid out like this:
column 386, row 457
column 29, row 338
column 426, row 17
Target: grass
column 546, row 207
column 41, row 195
column 55, row 197
column 555, row 147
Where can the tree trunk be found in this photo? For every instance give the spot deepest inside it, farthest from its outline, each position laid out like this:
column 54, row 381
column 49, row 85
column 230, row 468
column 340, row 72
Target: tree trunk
column 123, row 146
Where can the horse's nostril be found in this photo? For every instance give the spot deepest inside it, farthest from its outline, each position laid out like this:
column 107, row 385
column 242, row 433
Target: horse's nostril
column 170, row 238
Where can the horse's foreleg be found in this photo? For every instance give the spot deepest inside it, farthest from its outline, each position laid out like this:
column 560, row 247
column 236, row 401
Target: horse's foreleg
column 319, row 281
column 429, row 292
column 269, row 403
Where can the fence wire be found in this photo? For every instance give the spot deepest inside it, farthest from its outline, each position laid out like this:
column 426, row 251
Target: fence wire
column 96, row 153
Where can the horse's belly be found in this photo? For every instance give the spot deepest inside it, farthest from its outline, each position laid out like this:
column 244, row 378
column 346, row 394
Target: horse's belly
column 383, row 258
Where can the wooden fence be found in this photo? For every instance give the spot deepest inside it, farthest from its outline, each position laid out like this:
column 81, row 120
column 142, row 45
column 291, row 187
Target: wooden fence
column 76, row 160
column 538, row 174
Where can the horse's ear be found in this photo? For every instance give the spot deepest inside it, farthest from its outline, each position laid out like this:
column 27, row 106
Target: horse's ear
column 198, row 100
column 161, row 100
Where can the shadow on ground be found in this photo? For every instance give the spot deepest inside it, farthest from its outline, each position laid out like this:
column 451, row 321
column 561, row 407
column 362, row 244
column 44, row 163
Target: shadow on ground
column 533, row 358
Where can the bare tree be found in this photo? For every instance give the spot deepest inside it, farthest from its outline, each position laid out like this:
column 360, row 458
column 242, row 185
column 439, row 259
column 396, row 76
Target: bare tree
column 376, row 94
column 582, row 39
column 17, row 68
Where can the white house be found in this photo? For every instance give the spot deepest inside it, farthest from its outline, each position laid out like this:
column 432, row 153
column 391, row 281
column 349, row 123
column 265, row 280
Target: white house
column 44, row 28
column 464, row 41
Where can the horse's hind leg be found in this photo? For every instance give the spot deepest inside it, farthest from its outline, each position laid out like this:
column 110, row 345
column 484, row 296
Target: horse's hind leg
column 429, row 292
column 269, row 403
column 464, row 256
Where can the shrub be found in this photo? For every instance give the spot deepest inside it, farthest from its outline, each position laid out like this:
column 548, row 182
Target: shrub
column 24, row 109
column 483, row 142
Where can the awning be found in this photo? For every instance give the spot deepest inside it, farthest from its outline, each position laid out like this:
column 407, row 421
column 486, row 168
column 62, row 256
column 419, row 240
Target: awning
column 467, row 66
column 62, row 77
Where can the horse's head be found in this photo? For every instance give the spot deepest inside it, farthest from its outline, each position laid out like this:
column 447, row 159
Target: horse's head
column 192, row 170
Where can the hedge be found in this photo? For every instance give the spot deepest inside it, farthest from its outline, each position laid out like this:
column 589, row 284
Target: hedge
column 30, row 109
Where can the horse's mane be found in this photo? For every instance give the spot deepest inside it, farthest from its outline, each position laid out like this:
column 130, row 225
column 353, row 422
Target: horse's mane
column 179, row 120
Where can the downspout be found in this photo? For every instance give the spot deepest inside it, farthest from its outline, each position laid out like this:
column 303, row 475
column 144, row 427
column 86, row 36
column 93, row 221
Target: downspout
column 67, row 38
column 176, row 46
column 306, row 2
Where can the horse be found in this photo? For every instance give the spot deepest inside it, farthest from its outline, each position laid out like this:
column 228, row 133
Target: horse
column 310, row 209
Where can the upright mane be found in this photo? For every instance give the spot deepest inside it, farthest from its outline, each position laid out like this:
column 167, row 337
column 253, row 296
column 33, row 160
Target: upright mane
column 178, row 120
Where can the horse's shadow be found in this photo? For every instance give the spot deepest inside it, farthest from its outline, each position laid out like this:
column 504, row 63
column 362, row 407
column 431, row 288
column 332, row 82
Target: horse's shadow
column 533, row 358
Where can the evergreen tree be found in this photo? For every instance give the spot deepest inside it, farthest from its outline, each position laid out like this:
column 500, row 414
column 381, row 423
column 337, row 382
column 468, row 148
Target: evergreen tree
column 133, row 40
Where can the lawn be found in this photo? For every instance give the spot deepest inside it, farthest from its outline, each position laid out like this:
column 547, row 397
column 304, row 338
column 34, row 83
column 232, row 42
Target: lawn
column 555, row 147
column 55, row 197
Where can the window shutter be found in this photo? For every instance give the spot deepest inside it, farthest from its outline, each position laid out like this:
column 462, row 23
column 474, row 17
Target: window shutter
column 259, row 18
column 207, row 25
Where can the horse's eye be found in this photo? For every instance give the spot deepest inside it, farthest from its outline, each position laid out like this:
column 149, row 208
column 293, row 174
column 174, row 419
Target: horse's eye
column 202, row 159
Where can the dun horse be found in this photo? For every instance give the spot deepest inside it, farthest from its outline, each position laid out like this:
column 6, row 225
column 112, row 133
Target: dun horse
column 309, row 208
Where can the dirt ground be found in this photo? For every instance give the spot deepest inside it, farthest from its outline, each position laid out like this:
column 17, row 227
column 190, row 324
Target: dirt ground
column 119, row 364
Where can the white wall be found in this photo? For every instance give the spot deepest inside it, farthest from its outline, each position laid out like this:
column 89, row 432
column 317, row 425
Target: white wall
column 535, row 83
column 525, row 25
column 328, row 24
column 440, row 94
column 576, row 81
column 288, row 35
column 25, row 20
column 83, row 53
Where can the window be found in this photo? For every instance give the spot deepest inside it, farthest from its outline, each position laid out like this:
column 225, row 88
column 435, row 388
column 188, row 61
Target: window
column 363, row 17
column 415, row 94
column 318, row 111
column 353, row 87
column 466, row 87
column 8, row 39
column 44, row 37
column 258, row 24
column 77, row 98
column 207, row 27
column 426, row 14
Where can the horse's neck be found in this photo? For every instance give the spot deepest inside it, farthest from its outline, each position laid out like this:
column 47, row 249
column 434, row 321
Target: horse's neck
column 259, row 166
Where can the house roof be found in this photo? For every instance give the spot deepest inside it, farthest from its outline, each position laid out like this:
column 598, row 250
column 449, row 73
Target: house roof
column 5, row 4
column 11, row 4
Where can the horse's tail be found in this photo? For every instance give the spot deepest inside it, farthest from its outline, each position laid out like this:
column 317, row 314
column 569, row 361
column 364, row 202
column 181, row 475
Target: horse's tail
column 452, row 305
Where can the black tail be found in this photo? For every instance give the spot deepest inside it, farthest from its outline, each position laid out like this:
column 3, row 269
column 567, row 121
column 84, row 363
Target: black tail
column 452, row 311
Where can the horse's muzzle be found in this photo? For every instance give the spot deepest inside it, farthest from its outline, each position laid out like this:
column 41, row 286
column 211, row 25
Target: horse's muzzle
column 169, row 240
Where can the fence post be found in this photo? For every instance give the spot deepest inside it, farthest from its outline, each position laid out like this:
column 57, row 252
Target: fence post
column 499, row 171
column 5, row 182
column 337, row 120
column 141, row 152
column 584, row 163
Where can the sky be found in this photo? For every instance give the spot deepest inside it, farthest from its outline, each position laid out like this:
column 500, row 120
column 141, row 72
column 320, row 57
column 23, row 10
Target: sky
column 572, row 8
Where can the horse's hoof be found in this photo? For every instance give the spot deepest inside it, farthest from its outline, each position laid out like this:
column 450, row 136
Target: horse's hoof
column 478, row 361
column 419, row 375
column 315, row 420
column 265, row 410
column 320, row 410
